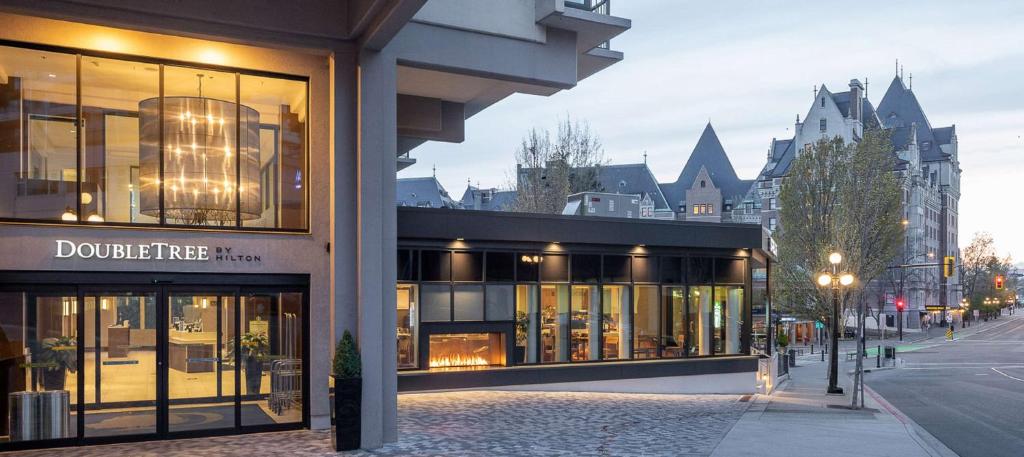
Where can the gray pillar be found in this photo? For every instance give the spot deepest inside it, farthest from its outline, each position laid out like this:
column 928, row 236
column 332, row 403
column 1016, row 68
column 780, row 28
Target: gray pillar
column 344, row 163
column 377, row 241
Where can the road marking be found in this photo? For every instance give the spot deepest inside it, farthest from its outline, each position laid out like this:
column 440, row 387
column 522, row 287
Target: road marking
column 981, row 374
column 1008, row 376
column 1003, row 364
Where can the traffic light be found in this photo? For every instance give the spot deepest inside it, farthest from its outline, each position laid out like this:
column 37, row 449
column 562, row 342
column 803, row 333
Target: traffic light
column 900, row 305
column 949, row 266
column 999, row 282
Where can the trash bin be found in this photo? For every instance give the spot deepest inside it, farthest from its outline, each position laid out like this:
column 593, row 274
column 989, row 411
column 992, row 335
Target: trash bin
column 22, row 416
column 890, row 352
column 54, row 418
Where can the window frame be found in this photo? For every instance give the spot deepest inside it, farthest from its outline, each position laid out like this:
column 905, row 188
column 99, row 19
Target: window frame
column 79, row 53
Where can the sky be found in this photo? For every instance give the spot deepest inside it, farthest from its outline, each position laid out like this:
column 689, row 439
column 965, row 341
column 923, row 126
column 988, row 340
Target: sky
column 750, row 67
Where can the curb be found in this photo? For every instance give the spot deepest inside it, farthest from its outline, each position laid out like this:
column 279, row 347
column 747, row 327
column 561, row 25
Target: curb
column 926, row 440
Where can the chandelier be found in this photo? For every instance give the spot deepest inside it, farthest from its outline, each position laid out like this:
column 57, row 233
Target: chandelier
column 199, row 160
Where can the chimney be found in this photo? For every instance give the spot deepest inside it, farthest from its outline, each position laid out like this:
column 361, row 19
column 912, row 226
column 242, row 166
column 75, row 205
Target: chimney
column 856, row 97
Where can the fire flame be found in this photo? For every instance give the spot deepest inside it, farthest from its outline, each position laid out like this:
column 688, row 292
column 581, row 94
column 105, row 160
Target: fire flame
column 457, row 360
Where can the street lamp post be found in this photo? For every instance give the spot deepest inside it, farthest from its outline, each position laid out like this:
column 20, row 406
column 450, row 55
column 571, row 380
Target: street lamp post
column 835, row 280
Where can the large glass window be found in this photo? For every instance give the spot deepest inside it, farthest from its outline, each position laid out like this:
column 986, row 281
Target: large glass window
column 526, row 323
column 645, row 322
column 728, row 319
column 277, row 192
column 38, row 134
column 215, row 149
column 554, row 323
column 112, row 91
column 407, row 326
column 699, row 320
column 38, row 363
column 586, row 317
column 674, row 328
column 615, row 321
column 270, row 356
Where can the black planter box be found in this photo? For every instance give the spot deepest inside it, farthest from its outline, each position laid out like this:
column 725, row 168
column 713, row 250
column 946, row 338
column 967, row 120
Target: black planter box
column 348, row 397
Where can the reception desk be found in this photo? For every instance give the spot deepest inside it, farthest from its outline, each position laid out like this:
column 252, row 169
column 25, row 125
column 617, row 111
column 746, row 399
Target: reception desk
column 192, row 352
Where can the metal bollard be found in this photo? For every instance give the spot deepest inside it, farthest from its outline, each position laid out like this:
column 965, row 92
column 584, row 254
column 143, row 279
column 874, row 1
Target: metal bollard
column 822, row 356
column 878, row 357
column 812, row 348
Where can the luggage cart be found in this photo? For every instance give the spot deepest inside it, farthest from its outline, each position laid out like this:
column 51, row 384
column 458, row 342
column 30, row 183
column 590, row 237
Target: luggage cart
column 285, row 385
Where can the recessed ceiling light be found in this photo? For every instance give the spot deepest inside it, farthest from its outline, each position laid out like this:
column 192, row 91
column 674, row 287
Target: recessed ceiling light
column 52, row 75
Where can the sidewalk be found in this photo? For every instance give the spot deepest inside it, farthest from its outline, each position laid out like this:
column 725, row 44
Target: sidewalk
column 800, row 420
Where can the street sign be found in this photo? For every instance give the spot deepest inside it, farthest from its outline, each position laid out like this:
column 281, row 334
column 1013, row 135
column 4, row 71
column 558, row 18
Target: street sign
column 890, row 298
column 977, row 314
column 934, row 308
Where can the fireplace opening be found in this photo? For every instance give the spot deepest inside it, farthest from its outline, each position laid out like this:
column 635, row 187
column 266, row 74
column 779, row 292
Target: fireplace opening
column 466, row 351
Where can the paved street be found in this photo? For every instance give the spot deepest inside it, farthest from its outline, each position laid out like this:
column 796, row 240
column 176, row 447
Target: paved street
column 499, row 424
column 968, row 393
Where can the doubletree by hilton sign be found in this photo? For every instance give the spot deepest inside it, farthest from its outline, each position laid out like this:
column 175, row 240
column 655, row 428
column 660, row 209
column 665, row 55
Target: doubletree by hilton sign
column 157, row 251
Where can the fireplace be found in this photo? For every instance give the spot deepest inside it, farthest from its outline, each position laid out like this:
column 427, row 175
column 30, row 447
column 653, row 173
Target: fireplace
column 466, row 351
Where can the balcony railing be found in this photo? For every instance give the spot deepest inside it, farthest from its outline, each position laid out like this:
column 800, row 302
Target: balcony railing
column 594, row 6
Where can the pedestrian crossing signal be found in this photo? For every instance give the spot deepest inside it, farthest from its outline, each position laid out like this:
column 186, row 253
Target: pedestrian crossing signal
column 949, row 266
column 999, row 282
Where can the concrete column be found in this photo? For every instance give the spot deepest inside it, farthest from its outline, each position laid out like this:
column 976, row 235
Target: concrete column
column 344, row 161
column 377, row 245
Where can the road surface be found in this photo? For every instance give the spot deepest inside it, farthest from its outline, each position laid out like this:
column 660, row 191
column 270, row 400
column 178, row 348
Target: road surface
column 968, row 393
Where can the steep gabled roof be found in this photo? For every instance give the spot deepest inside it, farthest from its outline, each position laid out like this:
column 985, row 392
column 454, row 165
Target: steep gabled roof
column 900, row 109
column 710, row 154
column 783, row 153
column 634, row 178
column 423, row 192
column 501, row 200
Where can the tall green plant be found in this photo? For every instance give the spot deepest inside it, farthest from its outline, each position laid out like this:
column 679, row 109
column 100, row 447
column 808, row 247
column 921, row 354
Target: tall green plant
column 347, row 362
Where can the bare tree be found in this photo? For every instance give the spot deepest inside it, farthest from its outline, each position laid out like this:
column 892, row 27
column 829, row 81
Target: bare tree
column 549, row 170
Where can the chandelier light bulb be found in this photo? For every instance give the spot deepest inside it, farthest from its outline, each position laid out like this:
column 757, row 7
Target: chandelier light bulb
column 824, row 280
column 846, row 279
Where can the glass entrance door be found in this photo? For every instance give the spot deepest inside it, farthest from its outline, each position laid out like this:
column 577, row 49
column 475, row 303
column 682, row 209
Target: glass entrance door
column 120, row 369
column 138, row 359
column 200, row 367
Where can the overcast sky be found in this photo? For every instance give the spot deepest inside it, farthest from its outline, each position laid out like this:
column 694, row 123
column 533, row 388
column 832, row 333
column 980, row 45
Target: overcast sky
column 750, row 67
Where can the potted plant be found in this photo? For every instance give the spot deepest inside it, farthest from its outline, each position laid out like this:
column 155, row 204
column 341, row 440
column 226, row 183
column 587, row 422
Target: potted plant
column 783, row 340
column 55, row 357
column 522, row 327
column 348, row 394
column 254, row 349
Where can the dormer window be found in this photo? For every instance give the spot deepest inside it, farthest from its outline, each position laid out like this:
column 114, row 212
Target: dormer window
column 703, row 184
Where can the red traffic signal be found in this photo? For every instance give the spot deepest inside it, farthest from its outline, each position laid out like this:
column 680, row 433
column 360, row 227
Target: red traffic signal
column 900, row 305
column 999, row 282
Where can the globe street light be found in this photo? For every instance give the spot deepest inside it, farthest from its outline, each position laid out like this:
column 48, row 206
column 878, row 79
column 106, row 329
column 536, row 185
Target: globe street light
column 835, row 279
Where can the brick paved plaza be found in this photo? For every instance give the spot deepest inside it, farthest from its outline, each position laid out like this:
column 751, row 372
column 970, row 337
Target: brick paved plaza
column 497, row 424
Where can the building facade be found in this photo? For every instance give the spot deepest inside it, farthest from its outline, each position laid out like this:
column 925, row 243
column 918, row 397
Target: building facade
column 545, row 302
column 197, row 198
column 927, row 162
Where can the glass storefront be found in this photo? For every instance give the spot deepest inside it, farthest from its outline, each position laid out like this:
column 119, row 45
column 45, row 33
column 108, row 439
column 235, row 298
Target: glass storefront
column 86, row 139
column 126, row 360
column 559, row 308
